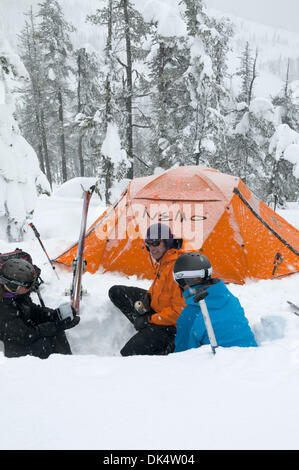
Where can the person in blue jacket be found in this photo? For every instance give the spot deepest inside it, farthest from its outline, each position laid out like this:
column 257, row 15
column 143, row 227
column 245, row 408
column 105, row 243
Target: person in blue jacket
column 193, row 271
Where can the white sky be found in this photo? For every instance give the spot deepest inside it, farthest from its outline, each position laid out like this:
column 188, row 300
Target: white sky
column 278, row 13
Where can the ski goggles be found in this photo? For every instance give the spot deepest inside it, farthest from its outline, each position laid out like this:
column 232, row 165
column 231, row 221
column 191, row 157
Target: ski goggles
column 16, row 287
column 153, row 243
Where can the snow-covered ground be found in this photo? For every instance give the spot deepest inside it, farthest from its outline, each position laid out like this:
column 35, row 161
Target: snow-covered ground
column 96, row 399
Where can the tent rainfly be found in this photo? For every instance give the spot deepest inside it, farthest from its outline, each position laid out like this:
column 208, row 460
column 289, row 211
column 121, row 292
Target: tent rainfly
column 212, row 212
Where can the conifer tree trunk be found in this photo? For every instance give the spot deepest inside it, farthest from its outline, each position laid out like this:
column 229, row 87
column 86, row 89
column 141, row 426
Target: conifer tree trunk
column 80, row 141
column 108, row 165
column 109, row 50
column 39, row 106
column 129, row 90
column 254, row 75
column 40, row 144
column 286, row 87
column 45, row 147
column 32, row 57
column 80, row 154
column 272, row 183
column 62, row 137
column 40, row 118
column 162, row 113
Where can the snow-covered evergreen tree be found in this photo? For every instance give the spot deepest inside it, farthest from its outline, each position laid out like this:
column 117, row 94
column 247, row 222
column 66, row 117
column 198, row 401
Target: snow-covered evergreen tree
column 20, row 174
column 158, row 89
column 249, row 144
column 248, row 74
column 287, row 108
column 88, row 122
column 34, row 95
column 168, row 61
column 104, row 123
column 56, row 51
column 123, row 83
column 284, row 179
column 208, row 42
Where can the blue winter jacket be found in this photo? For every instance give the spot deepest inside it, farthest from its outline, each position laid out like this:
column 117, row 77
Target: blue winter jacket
column 230, row 325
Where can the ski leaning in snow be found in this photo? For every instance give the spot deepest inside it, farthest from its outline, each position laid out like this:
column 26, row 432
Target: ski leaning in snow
column 294, row 307
column 79, row 263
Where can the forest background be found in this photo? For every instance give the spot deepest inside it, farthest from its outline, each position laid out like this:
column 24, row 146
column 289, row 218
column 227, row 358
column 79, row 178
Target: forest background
column 140, row 87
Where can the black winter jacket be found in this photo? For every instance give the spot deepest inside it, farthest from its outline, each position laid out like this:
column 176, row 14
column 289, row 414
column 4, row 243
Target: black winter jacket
column 22, row 333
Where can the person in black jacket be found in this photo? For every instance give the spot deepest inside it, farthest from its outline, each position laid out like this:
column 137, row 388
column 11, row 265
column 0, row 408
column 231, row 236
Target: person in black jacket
column 27, row 328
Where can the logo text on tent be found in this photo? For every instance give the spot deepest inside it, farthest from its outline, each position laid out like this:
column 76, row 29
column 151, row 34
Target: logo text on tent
column 167, row 217
column 131, row 221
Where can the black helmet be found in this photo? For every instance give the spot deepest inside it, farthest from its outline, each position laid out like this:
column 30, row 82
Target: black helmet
column 17, row 272
column 192, row 268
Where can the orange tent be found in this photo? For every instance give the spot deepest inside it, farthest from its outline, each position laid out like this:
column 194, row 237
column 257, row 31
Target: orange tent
column 213, row 212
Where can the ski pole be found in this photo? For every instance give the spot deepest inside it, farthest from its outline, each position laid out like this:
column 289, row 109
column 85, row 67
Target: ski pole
column 41, row 244
column 209, row 326
column 199, row 297
column 40, row 298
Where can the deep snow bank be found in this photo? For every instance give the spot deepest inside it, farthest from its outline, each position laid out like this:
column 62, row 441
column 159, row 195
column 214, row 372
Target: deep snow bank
column 95, row 399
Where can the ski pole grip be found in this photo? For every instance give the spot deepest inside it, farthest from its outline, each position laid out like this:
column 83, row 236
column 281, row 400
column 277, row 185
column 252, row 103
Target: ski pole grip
column 200, row 296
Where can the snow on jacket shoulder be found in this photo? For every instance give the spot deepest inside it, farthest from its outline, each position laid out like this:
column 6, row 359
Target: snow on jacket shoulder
column 166, row 297
column 229, row 322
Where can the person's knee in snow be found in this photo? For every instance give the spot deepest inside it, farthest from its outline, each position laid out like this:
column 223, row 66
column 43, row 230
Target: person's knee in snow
column 161, row 305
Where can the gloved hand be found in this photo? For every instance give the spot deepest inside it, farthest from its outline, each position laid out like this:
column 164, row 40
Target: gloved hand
column 141, row 321
column 51, row 328
column 67, row 323
column 144, row 305
column 65, row 311
column 140, row 307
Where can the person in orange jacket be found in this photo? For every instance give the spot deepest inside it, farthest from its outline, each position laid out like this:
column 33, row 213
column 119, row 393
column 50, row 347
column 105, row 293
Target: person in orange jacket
column 154, row 313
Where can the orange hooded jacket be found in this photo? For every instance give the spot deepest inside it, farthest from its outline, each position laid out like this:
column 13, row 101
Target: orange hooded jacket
column 166, row 298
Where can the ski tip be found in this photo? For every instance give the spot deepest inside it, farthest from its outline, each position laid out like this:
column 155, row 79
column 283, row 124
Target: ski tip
column 89, row 190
